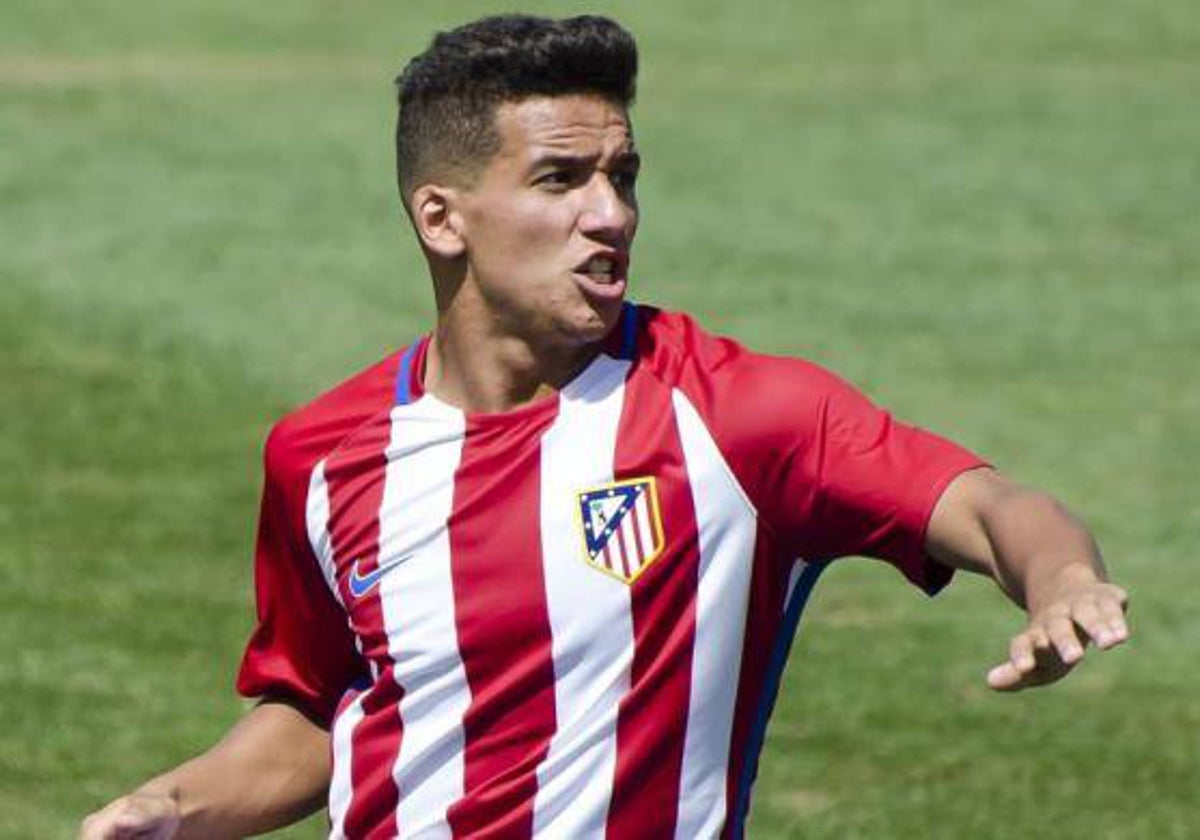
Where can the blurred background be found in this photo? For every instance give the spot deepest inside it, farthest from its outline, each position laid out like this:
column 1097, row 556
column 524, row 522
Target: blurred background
column 987, row 215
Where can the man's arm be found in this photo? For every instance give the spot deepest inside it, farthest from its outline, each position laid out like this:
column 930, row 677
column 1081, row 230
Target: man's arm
column 271, row 769
column 1044, row 559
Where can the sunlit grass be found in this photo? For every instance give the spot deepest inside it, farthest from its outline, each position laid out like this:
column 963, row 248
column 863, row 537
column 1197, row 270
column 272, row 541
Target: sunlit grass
column 988, row 216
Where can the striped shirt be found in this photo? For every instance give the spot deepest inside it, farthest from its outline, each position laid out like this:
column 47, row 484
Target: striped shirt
column 569, row 619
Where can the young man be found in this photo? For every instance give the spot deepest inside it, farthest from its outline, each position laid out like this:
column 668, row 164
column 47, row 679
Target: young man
column 535, row 574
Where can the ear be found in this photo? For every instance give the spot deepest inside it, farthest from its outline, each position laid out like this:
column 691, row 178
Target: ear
column 438, row 224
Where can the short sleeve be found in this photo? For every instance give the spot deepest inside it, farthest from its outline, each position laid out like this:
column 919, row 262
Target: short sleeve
column 876, row 482
column 301, row 648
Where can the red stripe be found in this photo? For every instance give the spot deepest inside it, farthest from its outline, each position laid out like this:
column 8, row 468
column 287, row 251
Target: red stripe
column 622, row 551
column 608, row 561
column 503, row 626
column 355, row 476
column 653, row 716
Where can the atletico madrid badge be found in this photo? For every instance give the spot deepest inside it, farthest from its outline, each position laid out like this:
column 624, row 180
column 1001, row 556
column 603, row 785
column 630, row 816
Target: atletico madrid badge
column 621, row 526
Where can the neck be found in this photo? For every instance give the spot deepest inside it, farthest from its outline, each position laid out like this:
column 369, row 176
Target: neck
column 480, row 369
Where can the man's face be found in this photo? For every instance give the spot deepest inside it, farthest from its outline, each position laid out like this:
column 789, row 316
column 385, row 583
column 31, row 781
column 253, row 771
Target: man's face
column 550, row 220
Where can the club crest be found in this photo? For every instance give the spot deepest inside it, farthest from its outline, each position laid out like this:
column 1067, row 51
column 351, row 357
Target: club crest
column 621, row 527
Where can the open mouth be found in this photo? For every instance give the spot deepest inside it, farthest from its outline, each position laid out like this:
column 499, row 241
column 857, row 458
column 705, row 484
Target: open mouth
column 602, row 276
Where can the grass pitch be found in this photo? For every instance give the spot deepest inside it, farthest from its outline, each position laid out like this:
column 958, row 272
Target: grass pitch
column 986, row 215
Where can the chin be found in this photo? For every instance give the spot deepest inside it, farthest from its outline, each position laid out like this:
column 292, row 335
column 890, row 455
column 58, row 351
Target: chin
column 593, row 327
column 604, row 320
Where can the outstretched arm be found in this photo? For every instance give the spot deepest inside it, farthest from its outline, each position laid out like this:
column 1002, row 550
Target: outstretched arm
column 271, row 769
column 1044, row 559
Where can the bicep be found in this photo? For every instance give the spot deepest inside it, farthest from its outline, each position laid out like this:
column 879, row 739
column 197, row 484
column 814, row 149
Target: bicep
column 957, row 534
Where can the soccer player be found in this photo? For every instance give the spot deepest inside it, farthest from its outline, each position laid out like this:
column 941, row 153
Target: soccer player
column 535, row 573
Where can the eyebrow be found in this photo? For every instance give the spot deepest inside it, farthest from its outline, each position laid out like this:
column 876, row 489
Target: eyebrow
column 627, row 158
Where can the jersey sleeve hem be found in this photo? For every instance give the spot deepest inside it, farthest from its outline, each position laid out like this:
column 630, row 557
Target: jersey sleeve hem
column 926, row 572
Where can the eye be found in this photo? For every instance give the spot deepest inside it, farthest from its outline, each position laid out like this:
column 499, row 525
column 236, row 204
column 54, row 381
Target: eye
column 625, row 179
column 556, row 179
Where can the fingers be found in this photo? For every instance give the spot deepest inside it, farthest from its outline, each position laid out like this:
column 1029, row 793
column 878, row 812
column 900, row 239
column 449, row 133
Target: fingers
column 1013, row 674
column 1092, row 622
column 1102, row 617
column 1103, row 622
column 1112, row 611
column 1008, row 676
column 1021, row 651
column 1033, row 659
column 1066, row 643
column 1056, row 640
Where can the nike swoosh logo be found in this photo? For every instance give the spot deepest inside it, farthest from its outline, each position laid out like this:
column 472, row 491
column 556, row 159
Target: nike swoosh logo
column 361, row 584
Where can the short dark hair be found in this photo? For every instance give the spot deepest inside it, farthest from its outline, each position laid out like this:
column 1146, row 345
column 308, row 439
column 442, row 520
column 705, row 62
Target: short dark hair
column 448, row 94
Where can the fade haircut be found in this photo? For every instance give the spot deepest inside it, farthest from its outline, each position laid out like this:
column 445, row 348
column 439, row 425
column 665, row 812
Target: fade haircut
column 448, row 94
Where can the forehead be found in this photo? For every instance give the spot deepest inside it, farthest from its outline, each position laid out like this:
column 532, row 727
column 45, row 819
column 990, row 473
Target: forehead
column 576, row 124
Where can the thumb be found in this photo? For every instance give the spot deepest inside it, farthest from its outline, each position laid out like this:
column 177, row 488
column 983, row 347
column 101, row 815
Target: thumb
column 1005, row 677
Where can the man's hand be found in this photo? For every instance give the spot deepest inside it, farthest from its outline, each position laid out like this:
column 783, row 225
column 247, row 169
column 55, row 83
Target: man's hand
column 141, row 815
column 1058, row 633
column 1044, row 559
column 271, row 769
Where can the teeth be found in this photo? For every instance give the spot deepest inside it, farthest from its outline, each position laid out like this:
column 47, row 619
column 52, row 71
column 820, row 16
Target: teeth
column 600, row 265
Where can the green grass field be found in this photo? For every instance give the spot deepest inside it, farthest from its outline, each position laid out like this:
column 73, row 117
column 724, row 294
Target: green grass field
column 988, row 215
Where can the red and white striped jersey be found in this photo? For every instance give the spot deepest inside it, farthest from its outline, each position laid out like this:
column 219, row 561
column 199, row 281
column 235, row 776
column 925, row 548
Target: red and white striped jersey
column 569, row 619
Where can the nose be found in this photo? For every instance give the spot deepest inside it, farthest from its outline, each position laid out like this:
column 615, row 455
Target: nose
column 609, row 212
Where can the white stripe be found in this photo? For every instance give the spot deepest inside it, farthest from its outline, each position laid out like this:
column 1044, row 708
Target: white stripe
column 340, row 786
column 725, row 526
column 316, row 519
column 417, row 599
column 592, row 647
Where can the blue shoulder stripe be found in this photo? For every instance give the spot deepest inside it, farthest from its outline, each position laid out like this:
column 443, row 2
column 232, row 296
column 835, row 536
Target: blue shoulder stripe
column 629, row 319
column 404, row 375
